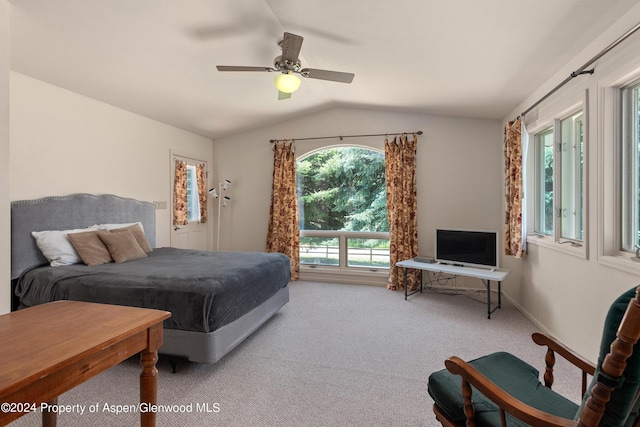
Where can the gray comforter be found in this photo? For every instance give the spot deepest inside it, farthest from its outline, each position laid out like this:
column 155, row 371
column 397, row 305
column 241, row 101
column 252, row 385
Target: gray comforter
column 203, row 290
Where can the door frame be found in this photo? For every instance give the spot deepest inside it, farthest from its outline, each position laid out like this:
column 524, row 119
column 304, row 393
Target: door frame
column 194, row 160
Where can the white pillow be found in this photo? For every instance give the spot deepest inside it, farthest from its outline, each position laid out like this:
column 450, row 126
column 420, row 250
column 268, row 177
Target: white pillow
column 56, row 246
column 116, row 226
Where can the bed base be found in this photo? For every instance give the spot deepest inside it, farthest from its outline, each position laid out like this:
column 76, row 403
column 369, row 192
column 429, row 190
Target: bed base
column 209, row 347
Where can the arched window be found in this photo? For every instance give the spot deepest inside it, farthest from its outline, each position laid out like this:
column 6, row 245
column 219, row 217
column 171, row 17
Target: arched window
column 343, row 211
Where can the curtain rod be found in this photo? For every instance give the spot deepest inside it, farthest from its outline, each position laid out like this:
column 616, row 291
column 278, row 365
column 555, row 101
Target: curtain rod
column 348, row 136
column 583, row 69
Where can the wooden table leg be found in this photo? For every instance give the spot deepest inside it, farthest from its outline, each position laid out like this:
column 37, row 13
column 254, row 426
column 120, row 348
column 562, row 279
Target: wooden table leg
column 50, row 418
column 149, row 376
column 148, row 387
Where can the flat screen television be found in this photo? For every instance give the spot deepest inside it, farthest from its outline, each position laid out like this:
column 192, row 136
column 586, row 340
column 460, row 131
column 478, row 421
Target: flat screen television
column 473, row 248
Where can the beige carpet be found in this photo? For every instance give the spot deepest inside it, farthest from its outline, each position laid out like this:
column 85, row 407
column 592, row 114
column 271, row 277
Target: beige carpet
column 335, row 355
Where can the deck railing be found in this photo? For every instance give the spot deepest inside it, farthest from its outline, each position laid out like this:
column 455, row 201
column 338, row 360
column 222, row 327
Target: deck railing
column 344, row 249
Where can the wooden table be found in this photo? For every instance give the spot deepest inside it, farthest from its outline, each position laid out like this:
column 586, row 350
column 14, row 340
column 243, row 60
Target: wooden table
column 48, row 349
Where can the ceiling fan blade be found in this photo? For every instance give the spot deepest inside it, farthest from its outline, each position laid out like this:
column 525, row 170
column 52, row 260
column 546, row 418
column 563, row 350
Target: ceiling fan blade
column 283, row 95
column 291, row 45
column 242, row 68
column 334, row 76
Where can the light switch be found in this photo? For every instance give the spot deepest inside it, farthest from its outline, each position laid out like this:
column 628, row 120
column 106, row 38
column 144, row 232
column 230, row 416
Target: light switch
column 160, row 205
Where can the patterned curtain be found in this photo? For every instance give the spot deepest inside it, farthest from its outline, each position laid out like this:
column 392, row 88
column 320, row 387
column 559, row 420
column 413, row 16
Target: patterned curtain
column 202, row 191
column 400, row 174
column 513, row 230
column 284, row 228
column 180, row 194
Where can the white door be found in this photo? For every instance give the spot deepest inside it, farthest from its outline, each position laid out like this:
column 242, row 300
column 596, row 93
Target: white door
column 194, row 235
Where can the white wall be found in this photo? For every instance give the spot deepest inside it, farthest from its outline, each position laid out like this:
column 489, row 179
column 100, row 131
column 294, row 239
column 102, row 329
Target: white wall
column 62, row 143
column 459, row 169
column 568, row 294
column 5, row 215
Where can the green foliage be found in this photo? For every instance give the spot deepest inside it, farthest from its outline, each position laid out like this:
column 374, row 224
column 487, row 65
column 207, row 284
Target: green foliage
column 548, row 190
column 344, row 189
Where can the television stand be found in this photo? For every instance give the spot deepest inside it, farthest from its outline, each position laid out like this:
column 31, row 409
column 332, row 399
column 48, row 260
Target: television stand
column 485, row 275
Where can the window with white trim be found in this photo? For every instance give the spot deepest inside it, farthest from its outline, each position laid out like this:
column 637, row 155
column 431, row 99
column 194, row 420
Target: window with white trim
column 630, row 182
column 559, row 179
column 193, row 200
column 343, row 212
column 543, row 217
column 571, row 148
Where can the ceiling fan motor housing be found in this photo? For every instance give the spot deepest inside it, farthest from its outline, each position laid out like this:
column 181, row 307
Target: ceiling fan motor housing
column 286, row 66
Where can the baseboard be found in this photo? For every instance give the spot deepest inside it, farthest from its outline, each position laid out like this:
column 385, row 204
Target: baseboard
column 528, row 315
column 374, row 279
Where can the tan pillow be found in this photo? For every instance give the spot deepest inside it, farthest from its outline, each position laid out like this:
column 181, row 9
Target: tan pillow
column 91, row 249
column 122, row 246
column 138, row 234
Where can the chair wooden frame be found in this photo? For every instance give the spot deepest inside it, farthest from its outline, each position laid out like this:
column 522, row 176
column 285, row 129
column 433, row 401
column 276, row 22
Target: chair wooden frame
column 613, row 366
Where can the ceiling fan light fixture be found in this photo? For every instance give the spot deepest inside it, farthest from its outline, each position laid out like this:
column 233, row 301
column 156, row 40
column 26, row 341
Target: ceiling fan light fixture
column 287, row 65
column 287, row 82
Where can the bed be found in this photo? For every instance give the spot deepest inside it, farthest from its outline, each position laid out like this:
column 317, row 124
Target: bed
column 217, row 299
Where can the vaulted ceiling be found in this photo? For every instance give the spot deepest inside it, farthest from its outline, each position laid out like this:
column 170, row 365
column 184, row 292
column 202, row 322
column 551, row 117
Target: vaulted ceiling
column 158, row 57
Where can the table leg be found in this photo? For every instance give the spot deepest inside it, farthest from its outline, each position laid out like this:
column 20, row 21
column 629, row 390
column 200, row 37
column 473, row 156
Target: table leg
column 50, row 418
column 488, row 299
column 405, row 283
column 148, row 387
column 149, row 375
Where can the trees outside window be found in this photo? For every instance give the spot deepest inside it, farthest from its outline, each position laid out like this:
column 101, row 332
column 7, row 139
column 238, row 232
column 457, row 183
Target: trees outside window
column 343, row 212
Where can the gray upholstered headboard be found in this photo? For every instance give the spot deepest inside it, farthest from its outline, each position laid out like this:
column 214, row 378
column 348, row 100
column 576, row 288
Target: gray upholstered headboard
column 68, row 212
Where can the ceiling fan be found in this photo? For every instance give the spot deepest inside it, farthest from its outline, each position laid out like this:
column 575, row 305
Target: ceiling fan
column 288, row 65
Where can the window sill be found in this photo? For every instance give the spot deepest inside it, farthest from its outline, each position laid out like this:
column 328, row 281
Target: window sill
column 352, row 275
column 565, row 248
column 621, row 263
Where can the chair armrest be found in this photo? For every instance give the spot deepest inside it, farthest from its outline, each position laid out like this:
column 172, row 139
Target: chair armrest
column 502, row 399
column 553, row 347
column 566, row 353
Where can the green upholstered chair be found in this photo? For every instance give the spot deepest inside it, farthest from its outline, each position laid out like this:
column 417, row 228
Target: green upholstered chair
column 499, row 389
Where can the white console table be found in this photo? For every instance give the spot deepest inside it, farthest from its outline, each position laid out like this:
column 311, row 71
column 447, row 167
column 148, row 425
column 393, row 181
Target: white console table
column 486, row 275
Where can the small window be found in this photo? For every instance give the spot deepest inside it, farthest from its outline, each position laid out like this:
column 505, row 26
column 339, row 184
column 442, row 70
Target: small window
column 544, row 182
column 559, row 179
column 368, row 253
column 320, row 250
column 571, row 148
column 630, row 208
column 193, row 201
